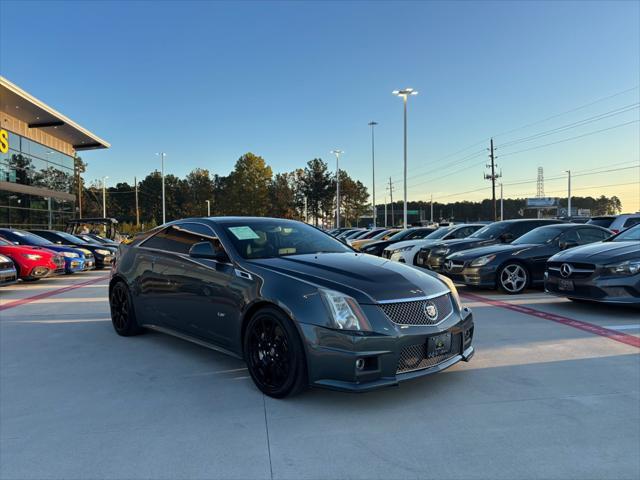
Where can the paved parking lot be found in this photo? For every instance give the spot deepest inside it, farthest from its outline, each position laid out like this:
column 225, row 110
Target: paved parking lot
column 552, row 392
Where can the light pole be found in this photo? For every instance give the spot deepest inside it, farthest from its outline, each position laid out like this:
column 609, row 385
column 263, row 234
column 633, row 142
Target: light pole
column 501, row 203
column 372, row 124
column 104, row 197
column 337, row 153
column 164, row 217
column 404, row 93
column 208, row 208
column 569, row 194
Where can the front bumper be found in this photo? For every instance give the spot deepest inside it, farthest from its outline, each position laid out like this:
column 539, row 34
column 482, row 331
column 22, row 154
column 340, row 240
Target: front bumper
column 481, row 277
column 73, row 265
column 598, row 288
column 8, row 276
column 332, row 355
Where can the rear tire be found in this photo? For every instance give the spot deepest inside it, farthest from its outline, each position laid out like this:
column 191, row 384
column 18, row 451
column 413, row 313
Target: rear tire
column 274, row 354
column 123, row 315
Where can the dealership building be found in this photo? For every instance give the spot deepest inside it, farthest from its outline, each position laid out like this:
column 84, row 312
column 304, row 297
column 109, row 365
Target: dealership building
column 38, row 182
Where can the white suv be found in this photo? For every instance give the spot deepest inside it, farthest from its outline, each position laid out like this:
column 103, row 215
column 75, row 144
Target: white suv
column 617, row 223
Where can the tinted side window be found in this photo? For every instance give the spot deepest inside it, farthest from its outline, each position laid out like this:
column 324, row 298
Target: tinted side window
column 180, row 238
column 517, row 229
column 589, row 235
column 570, row 236
column 630, row 222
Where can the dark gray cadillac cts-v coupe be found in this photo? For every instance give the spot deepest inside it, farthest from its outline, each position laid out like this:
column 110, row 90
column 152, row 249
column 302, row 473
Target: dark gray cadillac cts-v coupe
column 300, row 307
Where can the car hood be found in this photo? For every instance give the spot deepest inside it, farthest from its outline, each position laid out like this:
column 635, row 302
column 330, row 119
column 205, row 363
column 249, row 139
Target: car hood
column 600, row 253
column 495, row 249
column 367, row 278
column 459, row 244
column 5, row 249
column 411, row 243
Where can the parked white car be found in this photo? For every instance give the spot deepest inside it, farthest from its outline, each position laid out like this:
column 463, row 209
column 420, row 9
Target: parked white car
column 405, row 252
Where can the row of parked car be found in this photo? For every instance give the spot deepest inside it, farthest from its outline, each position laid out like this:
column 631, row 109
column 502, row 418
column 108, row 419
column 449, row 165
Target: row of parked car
column 35, row 254
column 581, row 261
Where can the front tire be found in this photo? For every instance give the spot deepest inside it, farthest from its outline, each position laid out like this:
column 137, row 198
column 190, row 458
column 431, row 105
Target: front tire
column 513, row 278
column 274, row 354
column 123, row 315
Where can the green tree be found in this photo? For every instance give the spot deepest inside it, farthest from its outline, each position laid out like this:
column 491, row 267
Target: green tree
column 316, row 186
column 282, row 196
column 246, row 190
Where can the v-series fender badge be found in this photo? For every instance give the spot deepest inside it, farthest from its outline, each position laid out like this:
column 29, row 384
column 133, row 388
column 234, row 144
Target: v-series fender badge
column 4, row 141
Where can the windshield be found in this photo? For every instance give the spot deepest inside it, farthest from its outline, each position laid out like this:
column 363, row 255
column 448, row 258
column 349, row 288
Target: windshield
column 491, row 231
column 4, row 243
column 70, row 238
column 539, row 236
column 439, row 233
column 631, row 235
column 278, row 238
column 25, row 238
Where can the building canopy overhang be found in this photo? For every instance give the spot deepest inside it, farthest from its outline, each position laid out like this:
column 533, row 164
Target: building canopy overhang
column 37, row 114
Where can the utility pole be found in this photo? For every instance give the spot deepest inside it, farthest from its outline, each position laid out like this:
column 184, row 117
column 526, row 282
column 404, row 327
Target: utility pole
column 306, row 210
column 135, row 181
column 501, row 203
column 337, row 153
column 431, row 208
column 164, row 206
column 493, row 177
column 104, row 197
column 372, row 124
column 390, row 188
column 569, row 195
column 385, row 211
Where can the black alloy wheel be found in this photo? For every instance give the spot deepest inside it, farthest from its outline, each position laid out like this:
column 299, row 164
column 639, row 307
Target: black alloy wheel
column 274, row 354
column 123, row 315
column 513, row 278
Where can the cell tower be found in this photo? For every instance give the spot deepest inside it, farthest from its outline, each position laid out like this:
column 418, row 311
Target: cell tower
column 540, row 193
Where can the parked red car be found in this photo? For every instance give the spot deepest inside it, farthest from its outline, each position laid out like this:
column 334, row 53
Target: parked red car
column 32, row 263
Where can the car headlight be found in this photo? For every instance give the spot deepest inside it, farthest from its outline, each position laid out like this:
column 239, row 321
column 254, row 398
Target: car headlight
column 32, row 256
column 70, row 254
column 85, row 251
column 630, row 267
column 482, row 261
column 403, row 249
column 103, row 252
column 454, row 291
column 344, row 310
column 440, row 251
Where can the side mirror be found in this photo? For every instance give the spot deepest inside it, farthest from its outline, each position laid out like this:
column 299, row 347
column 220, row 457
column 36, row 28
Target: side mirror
column 206, row 250
column 506, row 237
column 566, row 245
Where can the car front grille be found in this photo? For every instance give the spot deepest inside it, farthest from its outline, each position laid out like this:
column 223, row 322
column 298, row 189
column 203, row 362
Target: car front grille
column 414, row 357
column 578, row 270
column 415, row 312
column 386, row 254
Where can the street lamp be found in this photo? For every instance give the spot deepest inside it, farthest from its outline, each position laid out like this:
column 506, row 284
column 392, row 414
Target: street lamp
column 569, row 194
column 104, row 197
column 404, row 93
column 164, row 218
column 208, row 208
column 373, row 172
column 337, row 153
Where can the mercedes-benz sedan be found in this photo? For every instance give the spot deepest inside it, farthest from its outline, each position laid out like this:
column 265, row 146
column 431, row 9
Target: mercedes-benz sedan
column 300, row 307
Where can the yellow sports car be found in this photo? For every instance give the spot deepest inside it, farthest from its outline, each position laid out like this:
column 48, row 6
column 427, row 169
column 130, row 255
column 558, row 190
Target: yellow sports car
column 385, row 234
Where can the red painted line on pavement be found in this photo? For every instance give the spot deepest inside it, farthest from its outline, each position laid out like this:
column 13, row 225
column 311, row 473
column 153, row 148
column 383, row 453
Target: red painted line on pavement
column 570, row 322
column 51, row 293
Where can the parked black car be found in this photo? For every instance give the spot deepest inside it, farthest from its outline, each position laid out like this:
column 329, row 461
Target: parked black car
column 603, row 272
column 433, row 256
column 103, row 254
column 376, row 248
column 299, row 306
column 514, row 267
column 97, row 239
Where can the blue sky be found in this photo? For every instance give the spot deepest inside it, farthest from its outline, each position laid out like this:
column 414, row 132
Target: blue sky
column 207, row 81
